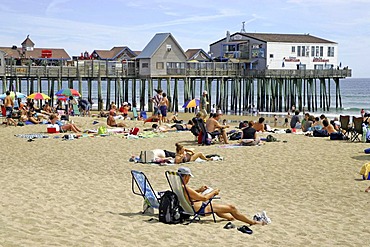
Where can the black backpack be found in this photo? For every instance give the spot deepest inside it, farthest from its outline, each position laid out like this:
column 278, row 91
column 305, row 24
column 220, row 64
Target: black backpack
column 170, row 209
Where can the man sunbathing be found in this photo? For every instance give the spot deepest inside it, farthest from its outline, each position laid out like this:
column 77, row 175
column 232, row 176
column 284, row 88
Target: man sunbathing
column 227, row 211
column 215, row 128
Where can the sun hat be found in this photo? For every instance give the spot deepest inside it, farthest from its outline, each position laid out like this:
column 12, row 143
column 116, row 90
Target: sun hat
column 185, row 171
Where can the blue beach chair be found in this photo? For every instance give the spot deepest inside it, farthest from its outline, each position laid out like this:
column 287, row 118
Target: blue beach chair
column 146, row 190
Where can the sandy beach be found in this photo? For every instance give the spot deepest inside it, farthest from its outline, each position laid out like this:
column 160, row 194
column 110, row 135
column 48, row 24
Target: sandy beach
column 78, row 192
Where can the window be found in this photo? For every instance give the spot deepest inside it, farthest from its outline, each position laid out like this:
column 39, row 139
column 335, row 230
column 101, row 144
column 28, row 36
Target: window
column 321, row 51
column 145, row 65
column 317, row 51
column 330, row 51
column 160, row 65
column 303, row 51
column 271, row 55
column 293, row 49
column 312, row 51
column 298, row 51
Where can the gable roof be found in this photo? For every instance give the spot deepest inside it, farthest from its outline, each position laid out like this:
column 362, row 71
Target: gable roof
column 285, row 38
column 28, row 42
column 114, row 52
column 193, row 53
column 154, row 44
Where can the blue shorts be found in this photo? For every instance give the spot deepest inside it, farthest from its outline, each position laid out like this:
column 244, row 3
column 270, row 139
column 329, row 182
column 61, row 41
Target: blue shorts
column 163, row 110
column 157, row 111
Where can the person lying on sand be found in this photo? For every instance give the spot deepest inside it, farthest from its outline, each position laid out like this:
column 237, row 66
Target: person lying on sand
column 226, row 211
column 54, row 119
column 185, row 155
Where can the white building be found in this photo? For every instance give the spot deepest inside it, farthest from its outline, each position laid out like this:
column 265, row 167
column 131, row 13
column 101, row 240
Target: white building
column 277, row 51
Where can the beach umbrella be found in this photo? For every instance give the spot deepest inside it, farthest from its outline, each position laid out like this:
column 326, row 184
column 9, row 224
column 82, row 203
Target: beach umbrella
column 12, row 95
column 191, row 103
column 40, row 96
column 62, row 98
column 68, row 92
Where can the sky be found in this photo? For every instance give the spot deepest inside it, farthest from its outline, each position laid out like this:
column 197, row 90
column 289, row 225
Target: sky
column 87, row 25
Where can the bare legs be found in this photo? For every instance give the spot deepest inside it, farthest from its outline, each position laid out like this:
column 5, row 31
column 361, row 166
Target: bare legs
column 198, row 155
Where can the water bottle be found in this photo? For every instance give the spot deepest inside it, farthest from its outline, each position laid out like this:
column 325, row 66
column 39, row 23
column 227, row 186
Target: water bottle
column 364, row 130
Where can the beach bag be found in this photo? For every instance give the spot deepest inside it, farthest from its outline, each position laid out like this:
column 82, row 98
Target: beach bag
column 146, row 156
column 102, row 130
column 134, row 131
column 169, row 209
column 270, row 138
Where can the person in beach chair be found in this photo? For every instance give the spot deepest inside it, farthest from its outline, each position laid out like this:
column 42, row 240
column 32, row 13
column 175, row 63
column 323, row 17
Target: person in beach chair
column 54, row 119
column 151, row 198
column 215, row 128
column 199, row 202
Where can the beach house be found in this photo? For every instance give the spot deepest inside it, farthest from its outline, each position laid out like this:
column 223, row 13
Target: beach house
column 162, row 56
column 277, row 51
column 28, row 54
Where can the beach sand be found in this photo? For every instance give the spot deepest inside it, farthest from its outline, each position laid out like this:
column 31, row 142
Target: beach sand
column 78, row 192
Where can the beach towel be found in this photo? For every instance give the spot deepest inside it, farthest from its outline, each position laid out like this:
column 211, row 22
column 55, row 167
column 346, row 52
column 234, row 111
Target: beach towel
column 32, row 136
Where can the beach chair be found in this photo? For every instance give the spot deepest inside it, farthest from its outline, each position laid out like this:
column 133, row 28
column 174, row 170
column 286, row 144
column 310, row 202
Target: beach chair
column 205, row 133
column 345, row 128
column 76, row 110
column 356, row 129
column 178, row 187
column 151, row 198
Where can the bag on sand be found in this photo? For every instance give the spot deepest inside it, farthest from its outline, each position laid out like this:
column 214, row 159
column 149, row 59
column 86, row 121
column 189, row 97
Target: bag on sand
column 102, row 130
column 169, row 209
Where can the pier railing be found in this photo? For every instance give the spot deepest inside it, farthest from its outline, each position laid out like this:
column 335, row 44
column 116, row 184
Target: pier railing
column 95, row 69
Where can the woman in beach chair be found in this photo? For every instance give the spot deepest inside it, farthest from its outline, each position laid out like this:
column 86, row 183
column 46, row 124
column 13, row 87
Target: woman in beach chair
column 197, row 197
column 184, row 155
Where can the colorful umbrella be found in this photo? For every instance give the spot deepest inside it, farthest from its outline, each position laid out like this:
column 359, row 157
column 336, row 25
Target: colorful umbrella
column 68, row 92
column 62, row 98
column 191, row 103
column 40, row 96
column 12, row 95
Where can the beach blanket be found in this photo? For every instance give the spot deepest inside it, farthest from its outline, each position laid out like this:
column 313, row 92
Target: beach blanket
column 32, row 136
column 234, row 145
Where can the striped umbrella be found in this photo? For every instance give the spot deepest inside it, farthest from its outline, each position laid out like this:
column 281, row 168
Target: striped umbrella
column 68, row 92
column 40, row 96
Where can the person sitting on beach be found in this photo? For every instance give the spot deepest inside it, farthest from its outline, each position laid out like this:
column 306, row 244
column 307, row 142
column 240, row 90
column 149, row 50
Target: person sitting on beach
column 32, row 117
column 225, row 211
column 215, row 128
column 54, row 119
column 295, row 122
column 259, row 126
column 328, row 126
column 111, row 121
column 249, row 135
column 307, row 126
column 316, row 125
column 186, row 155
column 124, row 110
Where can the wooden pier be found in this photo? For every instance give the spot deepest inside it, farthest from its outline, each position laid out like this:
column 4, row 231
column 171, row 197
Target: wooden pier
column 277, row 90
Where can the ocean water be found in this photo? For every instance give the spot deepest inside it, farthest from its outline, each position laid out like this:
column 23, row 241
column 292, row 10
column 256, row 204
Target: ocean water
column 355, row 93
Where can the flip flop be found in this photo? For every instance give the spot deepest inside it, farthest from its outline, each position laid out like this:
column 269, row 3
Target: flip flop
column 229, row 225
column 245, row 229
